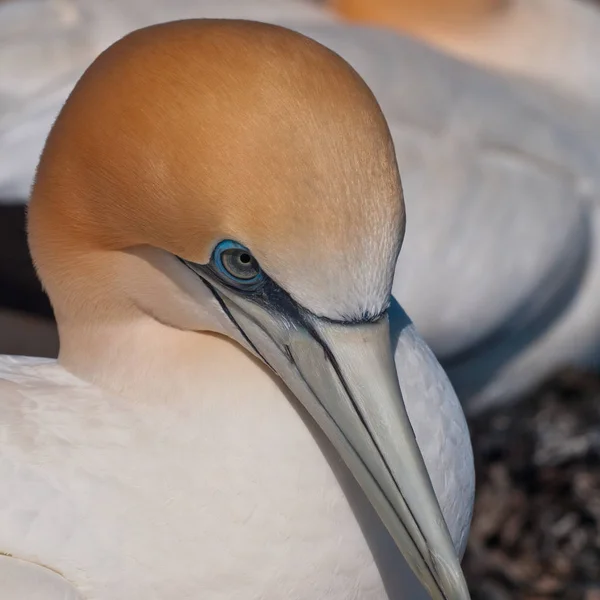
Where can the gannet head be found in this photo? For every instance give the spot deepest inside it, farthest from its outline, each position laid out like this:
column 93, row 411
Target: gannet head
column 254, row 170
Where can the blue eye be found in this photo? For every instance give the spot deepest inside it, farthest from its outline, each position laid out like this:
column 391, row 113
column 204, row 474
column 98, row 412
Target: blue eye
column 236, row 263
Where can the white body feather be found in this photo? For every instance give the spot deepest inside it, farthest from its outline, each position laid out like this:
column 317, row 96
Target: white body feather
column 228, row 494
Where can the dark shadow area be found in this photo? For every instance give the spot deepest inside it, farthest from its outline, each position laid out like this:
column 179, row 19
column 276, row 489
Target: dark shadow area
column 20, row 289
column 27, row 324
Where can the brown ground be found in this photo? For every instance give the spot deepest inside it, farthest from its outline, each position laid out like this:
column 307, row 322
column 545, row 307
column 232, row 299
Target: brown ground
column 536, row 531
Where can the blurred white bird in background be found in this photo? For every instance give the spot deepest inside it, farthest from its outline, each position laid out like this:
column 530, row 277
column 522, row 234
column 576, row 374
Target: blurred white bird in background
column 551, row 41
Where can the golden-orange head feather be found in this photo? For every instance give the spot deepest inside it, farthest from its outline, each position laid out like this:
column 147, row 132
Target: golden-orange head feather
column 186, row 133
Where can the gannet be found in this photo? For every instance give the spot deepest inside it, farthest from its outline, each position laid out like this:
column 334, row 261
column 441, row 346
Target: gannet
column 216, row 217
column 551, row 41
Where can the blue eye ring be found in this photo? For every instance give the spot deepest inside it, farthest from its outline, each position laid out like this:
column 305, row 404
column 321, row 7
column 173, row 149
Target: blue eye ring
column 235, row 264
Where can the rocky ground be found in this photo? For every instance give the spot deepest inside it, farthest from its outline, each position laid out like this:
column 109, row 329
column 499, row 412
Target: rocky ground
column 536, row 530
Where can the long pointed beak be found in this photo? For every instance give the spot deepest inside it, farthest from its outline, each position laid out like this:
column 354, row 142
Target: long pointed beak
column 346, row 378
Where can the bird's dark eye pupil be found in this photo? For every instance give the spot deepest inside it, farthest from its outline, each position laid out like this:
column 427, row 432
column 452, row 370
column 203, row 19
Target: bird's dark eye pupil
column 245, row 258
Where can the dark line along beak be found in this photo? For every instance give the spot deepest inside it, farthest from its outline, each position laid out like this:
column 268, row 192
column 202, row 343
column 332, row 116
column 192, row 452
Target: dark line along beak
column 345, row 376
